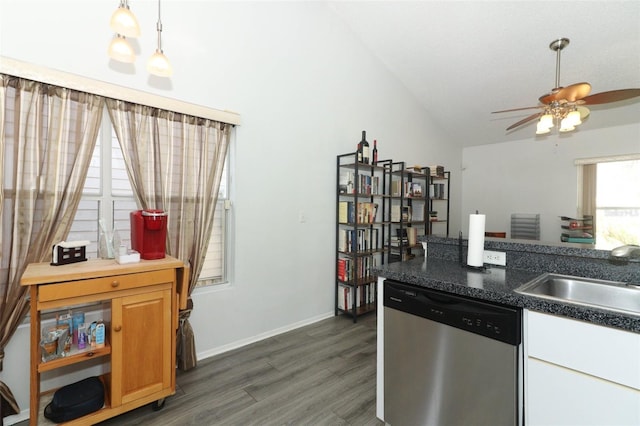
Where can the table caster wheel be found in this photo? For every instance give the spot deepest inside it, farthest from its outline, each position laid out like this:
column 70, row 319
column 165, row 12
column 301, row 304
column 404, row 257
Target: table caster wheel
column 158, row 405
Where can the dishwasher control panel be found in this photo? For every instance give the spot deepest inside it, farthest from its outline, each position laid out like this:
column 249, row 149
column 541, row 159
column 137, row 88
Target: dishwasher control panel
column 498, row 322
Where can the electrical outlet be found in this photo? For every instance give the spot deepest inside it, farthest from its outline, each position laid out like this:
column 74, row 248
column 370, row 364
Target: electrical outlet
column 495, row 258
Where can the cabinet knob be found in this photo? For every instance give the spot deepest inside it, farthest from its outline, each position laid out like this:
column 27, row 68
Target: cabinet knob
column 115, row 284
column 117, row 328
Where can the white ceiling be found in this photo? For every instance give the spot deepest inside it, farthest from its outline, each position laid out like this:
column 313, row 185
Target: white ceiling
column 464, row 59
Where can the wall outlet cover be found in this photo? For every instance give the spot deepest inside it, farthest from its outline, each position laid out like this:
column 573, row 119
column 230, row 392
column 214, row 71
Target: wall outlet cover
column 495, row 258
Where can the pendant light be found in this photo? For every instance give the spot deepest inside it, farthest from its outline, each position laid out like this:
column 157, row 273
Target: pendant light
column 124, row 22
column 158, row 63
column 121, row 50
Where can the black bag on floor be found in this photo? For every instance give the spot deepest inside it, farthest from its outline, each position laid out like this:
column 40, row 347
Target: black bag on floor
column 76, row 400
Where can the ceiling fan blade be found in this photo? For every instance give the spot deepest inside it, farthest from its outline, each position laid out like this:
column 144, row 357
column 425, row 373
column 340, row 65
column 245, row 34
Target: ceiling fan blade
column 525, row 120
column 517, row 109
column 611, row 96
column 570, row 93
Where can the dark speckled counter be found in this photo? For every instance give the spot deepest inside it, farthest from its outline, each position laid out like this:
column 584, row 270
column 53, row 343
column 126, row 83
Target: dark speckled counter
column 441, row 271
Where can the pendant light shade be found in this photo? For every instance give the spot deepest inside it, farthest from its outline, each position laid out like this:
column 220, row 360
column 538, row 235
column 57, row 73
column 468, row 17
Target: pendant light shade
column 158, row 63
column 574, row 118
column 124, row 22
column 566, row 125
column 547, row 121
column 542, row 129
column 121, row 50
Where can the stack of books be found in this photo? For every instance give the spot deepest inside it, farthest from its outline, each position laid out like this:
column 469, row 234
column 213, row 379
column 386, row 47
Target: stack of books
column 365, row 295
column 349, row 212
column 436, row 171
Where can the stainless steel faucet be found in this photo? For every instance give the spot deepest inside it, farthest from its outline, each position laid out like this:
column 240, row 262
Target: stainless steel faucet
column 626, row 253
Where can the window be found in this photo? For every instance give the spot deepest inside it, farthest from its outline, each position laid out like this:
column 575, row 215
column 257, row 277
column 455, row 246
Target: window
column 610, row 192
column 617, row 204
column 108, row 196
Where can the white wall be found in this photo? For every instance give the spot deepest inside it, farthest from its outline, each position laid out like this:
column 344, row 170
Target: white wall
column 305, row 89
column 535, row 176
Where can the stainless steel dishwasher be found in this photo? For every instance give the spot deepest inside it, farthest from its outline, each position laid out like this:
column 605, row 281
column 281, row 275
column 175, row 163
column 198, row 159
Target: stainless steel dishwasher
column 449, row 360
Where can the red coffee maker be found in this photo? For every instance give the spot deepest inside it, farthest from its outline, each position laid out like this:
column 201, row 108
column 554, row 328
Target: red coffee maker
column 149, row 233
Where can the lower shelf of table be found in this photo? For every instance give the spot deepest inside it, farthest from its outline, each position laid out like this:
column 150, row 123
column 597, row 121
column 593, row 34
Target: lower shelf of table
column 106, row 412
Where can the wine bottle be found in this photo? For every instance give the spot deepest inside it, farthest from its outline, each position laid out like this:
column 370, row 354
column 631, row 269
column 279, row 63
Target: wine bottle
column 359, row 153
column 364, row 147
column 374, row 156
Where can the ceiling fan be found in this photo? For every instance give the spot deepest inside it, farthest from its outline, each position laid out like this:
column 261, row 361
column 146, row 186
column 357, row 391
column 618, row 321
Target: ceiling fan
column 565, row 105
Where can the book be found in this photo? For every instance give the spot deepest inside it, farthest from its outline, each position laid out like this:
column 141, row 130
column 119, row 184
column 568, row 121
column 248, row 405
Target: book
column 412, row 234
column 584, row 240
column 343, row 211
column 396, row 188
column 344, row 269
column 415, row 189
column 395, row 213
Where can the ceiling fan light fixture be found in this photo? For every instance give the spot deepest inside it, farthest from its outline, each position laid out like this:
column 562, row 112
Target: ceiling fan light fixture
column 565, row 105
column 546, row 120
column 542, row 129
column 574, row 118
column 121, row 50
column 124, row 22
column 566, row 125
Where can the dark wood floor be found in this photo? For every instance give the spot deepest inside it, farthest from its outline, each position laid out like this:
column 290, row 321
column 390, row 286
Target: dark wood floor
column 321, row 374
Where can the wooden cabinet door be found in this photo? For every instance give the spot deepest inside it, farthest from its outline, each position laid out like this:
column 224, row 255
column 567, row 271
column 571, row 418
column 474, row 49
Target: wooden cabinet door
column 141, row 346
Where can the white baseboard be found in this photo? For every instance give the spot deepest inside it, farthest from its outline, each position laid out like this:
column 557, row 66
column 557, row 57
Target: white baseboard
column 244, row 342
column 17, row 418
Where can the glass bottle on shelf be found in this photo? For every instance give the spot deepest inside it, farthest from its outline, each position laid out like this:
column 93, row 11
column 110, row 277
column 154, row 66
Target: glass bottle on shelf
column 364, row 148
column 374, row 155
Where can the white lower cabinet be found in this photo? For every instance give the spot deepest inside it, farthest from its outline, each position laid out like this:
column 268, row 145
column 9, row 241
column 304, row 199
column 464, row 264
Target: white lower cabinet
column 578, row 373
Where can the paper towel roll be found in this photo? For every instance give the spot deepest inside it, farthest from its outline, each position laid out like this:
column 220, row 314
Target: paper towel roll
column 475, row 251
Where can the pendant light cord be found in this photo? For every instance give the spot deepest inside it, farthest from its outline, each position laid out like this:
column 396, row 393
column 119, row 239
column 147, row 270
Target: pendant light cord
column 159, row 28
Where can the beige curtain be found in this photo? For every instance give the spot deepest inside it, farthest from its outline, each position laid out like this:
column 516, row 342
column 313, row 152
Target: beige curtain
column 175, row 164
column 587, row 201
column 48, row 135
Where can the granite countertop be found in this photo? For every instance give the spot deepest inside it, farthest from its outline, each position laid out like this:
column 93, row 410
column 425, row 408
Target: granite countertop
column 496, row 284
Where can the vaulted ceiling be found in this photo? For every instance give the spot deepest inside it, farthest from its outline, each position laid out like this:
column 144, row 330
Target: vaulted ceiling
column 464, row 59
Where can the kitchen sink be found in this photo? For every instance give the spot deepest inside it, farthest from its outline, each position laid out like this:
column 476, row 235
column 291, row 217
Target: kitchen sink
column 612, row 295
